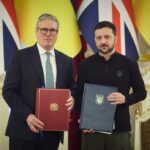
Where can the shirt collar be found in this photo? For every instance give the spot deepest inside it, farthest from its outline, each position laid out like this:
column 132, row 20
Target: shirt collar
column 42, row 50
column 111, row 57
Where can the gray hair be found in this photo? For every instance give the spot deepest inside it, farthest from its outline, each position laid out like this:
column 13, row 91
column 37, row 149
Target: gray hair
column 47, row 16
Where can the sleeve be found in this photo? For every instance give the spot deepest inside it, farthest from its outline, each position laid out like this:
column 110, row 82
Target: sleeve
column 138, row 88
column 80, row 87
column 11, row 90
column 71, row 81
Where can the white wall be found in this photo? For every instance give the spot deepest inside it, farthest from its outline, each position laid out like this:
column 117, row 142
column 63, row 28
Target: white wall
column 4, row 112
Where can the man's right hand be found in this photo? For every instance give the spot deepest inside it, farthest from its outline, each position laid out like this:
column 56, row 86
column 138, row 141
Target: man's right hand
column 34, row 123
column 88, row 131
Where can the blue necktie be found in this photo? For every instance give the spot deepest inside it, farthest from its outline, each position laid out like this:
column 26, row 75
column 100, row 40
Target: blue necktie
column 49, row 73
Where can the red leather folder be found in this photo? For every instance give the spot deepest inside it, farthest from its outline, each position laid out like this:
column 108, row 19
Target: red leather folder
column 51, row 109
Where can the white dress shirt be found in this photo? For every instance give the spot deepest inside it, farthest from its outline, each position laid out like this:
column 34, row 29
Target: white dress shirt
column 43, row 57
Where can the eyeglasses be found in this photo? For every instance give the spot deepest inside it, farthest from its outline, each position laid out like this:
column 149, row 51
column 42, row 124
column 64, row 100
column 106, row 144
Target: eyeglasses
column 44, row 31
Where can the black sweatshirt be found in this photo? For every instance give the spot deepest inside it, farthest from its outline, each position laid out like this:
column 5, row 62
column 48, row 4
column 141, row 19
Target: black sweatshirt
column 117, row 71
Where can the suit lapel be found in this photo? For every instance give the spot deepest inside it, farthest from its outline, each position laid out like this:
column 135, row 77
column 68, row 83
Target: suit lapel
column 59, row 69
column 37, row 62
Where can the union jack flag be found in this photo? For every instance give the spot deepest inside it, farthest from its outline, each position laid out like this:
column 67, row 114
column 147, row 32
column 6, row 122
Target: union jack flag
column 9, row 35
column 90, row 12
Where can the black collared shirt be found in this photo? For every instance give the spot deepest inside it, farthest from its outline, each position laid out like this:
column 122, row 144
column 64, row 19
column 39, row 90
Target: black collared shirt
column 117, row 71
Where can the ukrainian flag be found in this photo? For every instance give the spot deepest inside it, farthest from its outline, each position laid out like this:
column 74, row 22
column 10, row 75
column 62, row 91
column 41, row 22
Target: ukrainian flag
column 142, row 19
column 28, row 11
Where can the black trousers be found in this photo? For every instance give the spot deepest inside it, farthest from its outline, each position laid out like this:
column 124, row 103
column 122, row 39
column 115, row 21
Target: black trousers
column 46, row 141
column 101, row 141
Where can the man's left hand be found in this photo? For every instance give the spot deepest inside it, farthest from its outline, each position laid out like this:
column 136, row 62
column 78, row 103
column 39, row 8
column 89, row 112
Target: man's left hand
column 70, row 103
column 116, row 98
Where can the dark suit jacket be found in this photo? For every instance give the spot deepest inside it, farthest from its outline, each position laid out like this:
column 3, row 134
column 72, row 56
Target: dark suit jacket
column 25, row 74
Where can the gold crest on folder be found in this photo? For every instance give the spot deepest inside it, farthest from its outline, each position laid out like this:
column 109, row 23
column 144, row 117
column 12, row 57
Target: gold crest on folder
column 54, row 107
column 99, row 99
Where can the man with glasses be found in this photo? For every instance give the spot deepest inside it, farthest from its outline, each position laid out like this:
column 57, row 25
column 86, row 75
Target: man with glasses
column 107, row 67
column 28, row 71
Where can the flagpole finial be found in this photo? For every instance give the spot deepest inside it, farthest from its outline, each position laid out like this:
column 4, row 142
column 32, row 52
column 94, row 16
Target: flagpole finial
column 145, row 57
column 88, row 53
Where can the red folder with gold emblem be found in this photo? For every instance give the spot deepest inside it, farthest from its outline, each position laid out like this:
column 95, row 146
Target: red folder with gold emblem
column 51, row 109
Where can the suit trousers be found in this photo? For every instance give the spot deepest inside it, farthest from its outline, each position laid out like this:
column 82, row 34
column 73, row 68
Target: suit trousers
column 48, row 141
column 101, row 141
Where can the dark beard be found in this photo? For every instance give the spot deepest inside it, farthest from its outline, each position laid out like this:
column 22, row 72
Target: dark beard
column 109, row 51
